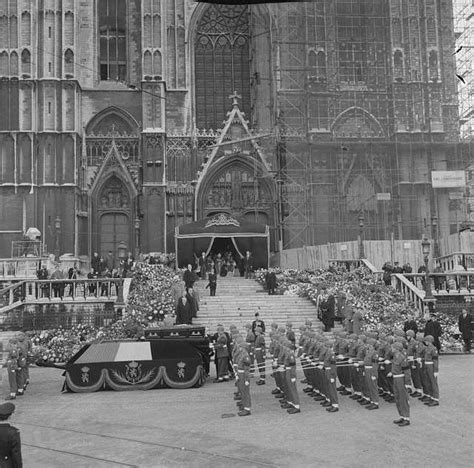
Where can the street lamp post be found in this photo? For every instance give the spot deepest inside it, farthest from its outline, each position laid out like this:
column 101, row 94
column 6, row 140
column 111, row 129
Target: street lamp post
column 361, row 233
column 425, row 244
column 434, row 224
column 57, row 228
column 137, row 236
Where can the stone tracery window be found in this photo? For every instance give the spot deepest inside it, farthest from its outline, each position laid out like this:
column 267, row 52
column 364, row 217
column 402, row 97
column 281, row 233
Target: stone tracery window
column 221, row 62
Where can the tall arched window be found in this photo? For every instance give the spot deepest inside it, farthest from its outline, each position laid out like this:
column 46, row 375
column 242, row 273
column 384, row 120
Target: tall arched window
column 221, row 62
column 112, row 31
column 69, row 62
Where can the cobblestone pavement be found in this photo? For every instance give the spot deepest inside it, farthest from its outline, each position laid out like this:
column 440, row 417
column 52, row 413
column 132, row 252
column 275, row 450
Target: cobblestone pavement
column 184, row 427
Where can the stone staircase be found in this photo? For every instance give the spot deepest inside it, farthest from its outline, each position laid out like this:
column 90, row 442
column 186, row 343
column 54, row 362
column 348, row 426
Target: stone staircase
column 237, row 299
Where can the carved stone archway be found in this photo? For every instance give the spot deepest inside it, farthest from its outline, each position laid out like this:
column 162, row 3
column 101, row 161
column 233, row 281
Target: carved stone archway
column 237, row 188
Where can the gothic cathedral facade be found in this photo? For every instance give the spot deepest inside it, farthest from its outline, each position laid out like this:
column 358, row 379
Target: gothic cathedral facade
column 123, row 119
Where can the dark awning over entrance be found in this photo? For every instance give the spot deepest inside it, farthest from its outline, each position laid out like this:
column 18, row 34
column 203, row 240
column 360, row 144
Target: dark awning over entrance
column 193, row 238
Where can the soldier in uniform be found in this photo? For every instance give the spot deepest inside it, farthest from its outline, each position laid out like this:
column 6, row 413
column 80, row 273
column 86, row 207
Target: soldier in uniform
column 23, row 375
column 10, row 443
column 411, row 352
column 370, row 372
column 425, row 383
column 13, row 369
column 250, row 339
column 290, row 334
column 431, row 370
column 329, row 363
column 243, row 372
column 399, row 364
column 290, row 377
column 260, row 354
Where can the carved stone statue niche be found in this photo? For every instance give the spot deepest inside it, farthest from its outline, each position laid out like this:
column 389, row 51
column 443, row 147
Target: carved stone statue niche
column 114, row 196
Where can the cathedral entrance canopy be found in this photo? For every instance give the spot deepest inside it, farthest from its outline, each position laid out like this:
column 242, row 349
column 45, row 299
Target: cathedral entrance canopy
column 193, row 238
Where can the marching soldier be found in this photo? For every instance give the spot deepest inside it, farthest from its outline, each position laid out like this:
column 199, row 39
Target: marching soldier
column 399, row 364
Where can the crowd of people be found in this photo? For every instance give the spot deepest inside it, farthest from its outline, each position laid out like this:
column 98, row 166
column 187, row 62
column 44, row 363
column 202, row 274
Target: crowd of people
column 207, row 267
column 223, row 264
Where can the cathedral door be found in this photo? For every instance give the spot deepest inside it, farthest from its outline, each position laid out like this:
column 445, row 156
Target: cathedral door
column 114, row 230
column 114, row 220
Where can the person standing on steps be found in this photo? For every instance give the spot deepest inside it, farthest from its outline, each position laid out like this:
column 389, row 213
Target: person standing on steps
column 258, row 323
column 248, row 264
column 212, row 285
column 193, row 301
column 183, row 311
column 203, row 265
column 189, row 277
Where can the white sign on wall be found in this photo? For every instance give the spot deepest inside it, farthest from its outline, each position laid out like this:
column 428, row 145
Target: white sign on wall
column 448, row 179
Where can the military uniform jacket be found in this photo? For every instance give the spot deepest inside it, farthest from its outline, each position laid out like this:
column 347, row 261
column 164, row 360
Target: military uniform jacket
column 371, row 357
column 330, row 361
column 244, row 365
column 399, row 363
column 431, row 355
column 10, row 447
column 260, row 344
column 411, row 350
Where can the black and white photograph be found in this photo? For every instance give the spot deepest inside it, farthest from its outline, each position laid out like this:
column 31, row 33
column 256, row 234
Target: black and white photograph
column 236, row 233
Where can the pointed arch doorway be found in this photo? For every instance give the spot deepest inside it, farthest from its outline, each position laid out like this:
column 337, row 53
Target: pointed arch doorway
column 114, row 220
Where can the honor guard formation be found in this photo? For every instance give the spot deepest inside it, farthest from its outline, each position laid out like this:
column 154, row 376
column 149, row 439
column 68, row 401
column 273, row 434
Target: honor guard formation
column 367, row 367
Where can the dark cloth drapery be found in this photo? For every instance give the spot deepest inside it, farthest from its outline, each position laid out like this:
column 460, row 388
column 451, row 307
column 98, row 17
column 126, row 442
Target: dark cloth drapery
column 198, row 237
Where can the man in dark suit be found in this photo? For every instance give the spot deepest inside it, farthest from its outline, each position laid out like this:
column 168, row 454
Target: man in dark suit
column 183, row 311
column 189, row 277
column 193, row 302
column 433, row 328
column 410, row 324
column 10, row 443
column 465, row 327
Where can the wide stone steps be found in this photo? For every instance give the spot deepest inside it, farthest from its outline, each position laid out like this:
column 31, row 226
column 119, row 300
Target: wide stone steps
column 238, row 299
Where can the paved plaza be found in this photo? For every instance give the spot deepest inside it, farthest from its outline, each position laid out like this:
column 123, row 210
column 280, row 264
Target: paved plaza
column 185, row 427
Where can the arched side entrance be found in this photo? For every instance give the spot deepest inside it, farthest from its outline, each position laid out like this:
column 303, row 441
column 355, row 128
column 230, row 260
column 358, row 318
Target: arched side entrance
column 114, row 216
